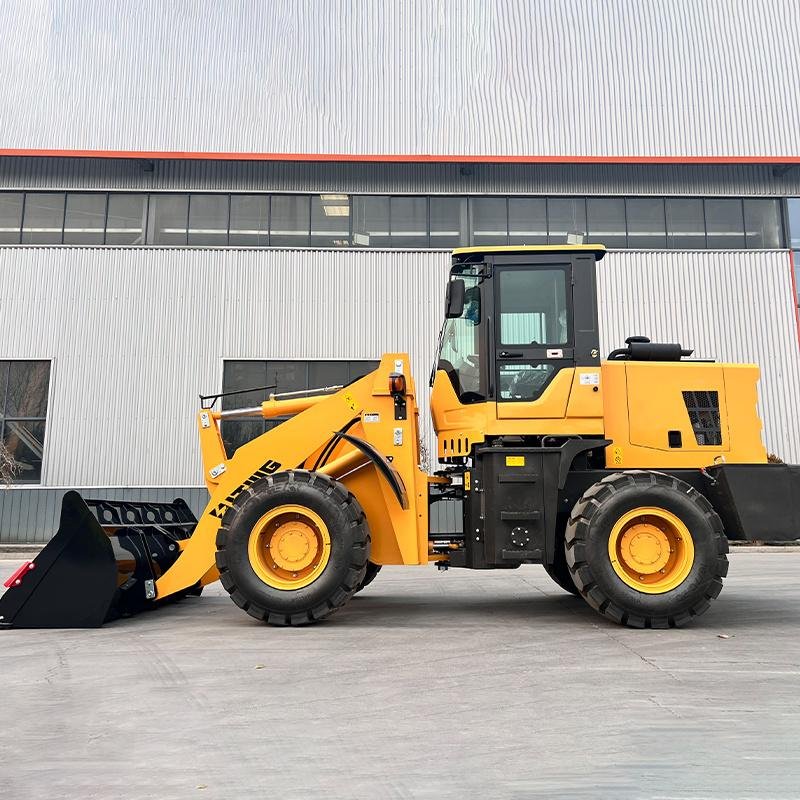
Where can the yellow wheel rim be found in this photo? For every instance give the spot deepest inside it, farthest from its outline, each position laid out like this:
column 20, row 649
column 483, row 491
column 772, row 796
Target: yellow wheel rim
column 651, row 550
column 289, row 547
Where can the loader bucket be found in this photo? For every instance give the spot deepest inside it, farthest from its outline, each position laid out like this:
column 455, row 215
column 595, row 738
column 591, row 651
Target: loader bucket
column 101, row 564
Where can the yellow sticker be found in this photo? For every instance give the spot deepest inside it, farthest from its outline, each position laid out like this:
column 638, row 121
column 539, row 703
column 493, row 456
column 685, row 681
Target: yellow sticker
column 467, row 481
column 617, row 456
column 348, row 398
column 515, row 461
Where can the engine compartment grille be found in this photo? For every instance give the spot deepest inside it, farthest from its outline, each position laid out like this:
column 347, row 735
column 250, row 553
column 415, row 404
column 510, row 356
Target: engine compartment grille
column 703, row 409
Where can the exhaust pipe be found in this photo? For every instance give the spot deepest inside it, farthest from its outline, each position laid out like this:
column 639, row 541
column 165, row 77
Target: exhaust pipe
column 101, row 564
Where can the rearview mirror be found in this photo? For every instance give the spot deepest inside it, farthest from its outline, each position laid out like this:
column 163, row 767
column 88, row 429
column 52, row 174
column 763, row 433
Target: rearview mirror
column 454, row 304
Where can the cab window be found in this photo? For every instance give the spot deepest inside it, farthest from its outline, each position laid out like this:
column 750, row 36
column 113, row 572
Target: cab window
column 533, row 307
column 459, row 348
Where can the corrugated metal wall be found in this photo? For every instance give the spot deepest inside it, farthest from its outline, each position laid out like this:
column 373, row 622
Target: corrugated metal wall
column 136, row 334
column 31, row 516
column 556, row 77
column 279, row 176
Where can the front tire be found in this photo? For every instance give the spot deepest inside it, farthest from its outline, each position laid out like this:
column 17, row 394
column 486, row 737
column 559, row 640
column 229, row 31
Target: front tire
column 293, row 548
column 646, row 550
column 369, row 575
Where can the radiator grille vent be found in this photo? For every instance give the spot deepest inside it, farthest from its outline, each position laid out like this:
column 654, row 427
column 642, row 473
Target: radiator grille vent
column 703, row 408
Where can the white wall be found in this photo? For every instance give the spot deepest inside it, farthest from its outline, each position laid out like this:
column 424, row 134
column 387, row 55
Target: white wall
column 447, row 77
column 136, row 334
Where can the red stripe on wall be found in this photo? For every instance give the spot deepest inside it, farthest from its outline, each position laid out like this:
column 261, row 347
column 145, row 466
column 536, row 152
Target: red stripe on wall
column 795, row 299
column 436, row 159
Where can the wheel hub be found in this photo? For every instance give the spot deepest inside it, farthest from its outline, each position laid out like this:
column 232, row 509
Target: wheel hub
column 293, row 545
column 645, row 547
column 289, row 547
column 651, row 550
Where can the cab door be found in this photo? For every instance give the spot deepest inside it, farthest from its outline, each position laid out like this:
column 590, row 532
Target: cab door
column 533, row 341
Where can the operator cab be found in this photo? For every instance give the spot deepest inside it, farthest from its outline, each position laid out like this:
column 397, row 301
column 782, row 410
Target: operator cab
column 516, row 316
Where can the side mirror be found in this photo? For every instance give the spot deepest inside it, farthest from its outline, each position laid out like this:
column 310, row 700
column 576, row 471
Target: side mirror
column 454, row 304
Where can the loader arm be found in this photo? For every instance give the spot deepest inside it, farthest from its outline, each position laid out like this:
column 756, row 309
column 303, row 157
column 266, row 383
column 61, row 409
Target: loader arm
column 365, row 410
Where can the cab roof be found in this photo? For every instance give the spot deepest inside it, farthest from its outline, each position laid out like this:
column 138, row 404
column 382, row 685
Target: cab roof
column 599, row 250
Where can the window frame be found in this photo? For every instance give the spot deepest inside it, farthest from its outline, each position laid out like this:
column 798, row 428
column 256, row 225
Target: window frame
column 63, row 194
column 465, row 203
column 226, row 234
column 268, row 424
column 105, row 196
column 556, row 266
column 23, row 195
column 42, row 481
column 560, row 355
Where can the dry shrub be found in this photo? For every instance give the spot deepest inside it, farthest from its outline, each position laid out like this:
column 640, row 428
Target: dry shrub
column 8, row 466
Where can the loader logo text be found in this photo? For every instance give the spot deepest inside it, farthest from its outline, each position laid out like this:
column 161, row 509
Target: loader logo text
column 262, row 472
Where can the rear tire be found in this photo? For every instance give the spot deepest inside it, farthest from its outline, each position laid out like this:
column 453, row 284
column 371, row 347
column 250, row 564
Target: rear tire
column 369, row 575
column 335, row 529
column 654, row 503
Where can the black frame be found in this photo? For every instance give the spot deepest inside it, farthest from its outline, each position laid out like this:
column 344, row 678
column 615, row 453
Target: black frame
column 236, row 401
column 583, row 342
column 17, row 418
column 466, row 235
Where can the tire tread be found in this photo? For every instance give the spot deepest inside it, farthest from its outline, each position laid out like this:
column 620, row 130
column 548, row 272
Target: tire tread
column 347, row 586
column 578, row 530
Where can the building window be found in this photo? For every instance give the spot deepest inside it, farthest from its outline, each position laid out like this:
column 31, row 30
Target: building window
column 371, row 221
column 208, row 220
column 278, row 376
column 724, row 224
column 43, row 218
column 386, row 221
column 290, row 217
column 448, row 217
column 796, row 262
column 409, row 222
column 793, row 215
column 762, row 224
column 330, row 220
column 85, row 219
column 527, row 220
column 24, row 387
column 566, row 217
column 605, row 221
column 127, row 219
column 686, row 228
column 11, row 217
column 249, row 223
column 488, row 220
column 168, row 219
column 646, row 223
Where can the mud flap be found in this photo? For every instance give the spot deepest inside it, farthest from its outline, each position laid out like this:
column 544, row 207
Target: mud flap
column 101, row 564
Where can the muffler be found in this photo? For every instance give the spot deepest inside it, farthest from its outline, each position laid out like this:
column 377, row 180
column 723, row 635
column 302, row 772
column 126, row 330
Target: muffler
column 101, row 564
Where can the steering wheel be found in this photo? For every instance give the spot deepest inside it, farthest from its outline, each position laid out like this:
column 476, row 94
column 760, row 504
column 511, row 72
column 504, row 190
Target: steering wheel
column 528, row 384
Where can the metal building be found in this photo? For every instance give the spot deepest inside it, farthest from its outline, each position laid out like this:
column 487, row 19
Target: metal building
column 204, row 195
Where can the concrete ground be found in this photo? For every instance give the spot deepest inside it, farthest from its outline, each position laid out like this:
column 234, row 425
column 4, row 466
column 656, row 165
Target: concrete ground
column 464, row 684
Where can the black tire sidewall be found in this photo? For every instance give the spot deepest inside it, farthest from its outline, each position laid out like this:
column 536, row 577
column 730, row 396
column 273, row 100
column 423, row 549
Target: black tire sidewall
column 345, row 536
column 692, row 589
column 559, row 569
column 369, row 575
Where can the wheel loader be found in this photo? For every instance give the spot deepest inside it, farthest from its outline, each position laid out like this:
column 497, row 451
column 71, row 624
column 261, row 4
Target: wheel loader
column 623, row 477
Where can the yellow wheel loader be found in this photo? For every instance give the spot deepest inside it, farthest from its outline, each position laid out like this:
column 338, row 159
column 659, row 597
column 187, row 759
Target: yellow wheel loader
column 623, row 477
